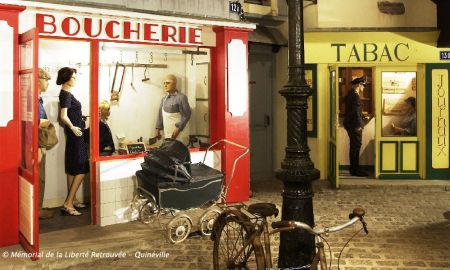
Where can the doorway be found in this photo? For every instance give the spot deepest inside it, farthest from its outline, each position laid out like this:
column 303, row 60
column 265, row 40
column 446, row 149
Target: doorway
column 345, row 75
column 261, row 64
column 53, row 55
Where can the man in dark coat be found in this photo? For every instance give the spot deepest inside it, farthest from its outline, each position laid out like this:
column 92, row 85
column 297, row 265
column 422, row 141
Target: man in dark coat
column 353, row 123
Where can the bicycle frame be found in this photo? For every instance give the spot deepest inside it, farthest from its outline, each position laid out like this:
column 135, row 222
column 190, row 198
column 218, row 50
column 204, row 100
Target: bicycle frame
column 255, row 226
column 253, row 237
column 320, row 252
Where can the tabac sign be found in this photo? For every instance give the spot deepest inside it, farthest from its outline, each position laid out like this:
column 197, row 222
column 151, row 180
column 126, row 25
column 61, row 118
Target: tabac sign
column 371, row 52
column 373, row 47
column 103, row 28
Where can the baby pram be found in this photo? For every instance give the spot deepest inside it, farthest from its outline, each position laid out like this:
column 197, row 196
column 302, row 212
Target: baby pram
column 169, row 182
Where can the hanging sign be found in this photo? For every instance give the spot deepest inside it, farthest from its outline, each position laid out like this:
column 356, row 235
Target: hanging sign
column 440, row 118
column 102, row 28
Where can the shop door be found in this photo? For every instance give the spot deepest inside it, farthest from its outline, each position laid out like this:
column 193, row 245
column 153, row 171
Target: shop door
column 261, row 86
column 397, row 153
column 333, row 162
column 437, row 119
column 28, row 171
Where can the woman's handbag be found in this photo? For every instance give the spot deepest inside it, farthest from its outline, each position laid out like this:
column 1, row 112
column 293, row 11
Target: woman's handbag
column 47, row 137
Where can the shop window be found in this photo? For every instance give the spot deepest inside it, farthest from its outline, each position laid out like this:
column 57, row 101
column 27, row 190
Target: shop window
column 398, row 104
column 131, row 81
column 311, row 113
column 346, row 75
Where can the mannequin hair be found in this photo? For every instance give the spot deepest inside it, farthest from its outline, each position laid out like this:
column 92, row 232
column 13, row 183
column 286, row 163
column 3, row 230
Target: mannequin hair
column 64, row 75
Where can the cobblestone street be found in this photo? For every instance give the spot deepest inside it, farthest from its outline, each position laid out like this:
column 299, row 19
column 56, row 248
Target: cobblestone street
column 409, row 228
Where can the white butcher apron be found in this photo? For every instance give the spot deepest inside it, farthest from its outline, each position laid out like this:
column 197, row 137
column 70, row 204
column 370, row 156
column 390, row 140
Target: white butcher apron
column 169, row 121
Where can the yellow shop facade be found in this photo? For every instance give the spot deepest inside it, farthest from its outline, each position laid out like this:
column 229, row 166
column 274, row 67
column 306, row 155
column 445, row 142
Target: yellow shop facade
column 396, row 66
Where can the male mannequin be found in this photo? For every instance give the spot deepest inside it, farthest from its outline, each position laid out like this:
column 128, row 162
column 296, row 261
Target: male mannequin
column 174, row 112
column 354, row 124
column 44, row 77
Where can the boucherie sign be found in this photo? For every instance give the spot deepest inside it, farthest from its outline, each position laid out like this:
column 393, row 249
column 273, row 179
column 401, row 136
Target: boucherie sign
column 117, row 29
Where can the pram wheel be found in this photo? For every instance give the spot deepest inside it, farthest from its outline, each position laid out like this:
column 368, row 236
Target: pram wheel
column 148, row 211
column 207, row 221
column 137, row 203
column 179, row 228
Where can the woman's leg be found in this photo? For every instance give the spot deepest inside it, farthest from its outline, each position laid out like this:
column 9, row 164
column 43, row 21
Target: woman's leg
column 76, row 182
column 69, row 184
column 69, row 181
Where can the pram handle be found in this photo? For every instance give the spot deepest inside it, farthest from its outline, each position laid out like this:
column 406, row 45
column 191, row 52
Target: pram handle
column 235, row 161
column 219, row 141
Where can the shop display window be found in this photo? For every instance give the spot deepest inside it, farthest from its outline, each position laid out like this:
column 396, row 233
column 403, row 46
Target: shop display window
column 398, row 104
column 131, row 81
column 311, row 113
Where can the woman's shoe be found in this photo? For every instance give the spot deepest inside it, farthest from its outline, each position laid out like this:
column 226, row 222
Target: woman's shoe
column 69, row 211
column 79, row 205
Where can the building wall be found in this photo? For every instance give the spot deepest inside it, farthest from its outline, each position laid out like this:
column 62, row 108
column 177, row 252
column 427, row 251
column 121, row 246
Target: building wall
column 335, row 14
column 357, row 13
column 195, row 8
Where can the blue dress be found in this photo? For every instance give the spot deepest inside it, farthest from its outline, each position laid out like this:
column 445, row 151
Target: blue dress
column 76, row 155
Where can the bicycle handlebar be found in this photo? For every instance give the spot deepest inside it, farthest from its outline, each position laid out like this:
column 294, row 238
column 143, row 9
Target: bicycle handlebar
column 287, row 225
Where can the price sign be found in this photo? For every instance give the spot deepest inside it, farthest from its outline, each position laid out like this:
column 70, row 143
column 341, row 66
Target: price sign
column 133, row 148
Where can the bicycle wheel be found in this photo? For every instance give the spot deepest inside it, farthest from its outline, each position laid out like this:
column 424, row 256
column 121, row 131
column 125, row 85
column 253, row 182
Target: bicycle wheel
column 230, row 242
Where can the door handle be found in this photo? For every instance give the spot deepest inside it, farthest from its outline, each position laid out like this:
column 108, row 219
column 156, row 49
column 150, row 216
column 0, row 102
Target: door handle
column 266, row 120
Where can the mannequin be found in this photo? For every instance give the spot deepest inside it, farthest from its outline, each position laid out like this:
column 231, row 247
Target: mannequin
column 174, row 112
column 106, row 142
column 408, row 127
column 44, row 123
column 354, row 124
column 76, row 154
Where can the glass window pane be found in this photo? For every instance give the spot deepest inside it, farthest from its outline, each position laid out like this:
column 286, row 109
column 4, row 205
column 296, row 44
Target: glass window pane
column 131, row 80
column 26, row 55
column 398, row 107
column 27, row 125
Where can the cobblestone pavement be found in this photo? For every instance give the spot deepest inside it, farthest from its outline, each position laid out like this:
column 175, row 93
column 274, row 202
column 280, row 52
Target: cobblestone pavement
column 409, row 229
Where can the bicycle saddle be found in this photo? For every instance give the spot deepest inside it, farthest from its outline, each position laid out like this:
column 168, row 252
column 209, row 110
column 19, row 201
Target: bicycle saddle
column 263, row 209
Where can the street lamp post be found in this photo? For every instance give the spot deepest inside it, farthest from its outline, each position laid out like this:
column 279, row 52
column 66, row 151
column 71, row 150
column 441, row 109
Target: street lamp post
column 297, row 170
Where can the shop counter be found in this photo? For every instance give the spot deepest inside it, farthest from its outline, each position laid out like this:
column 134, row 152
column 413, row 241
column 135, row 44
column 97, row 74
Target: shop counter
column 116, row 184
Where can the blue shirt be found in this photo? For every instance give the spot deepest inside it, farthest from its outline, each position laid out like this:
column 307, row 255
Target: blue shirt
column 41, row 110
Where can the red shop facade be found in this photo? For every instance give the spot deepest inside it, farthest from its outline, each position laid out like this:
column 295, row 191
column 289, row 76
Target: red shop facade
column 111, row 47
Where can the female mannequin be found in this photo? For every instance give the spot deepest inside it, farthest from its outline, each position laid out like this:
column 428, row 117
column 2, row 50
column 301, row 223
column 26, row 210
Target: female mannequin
column 76, row 154
column 106, row 142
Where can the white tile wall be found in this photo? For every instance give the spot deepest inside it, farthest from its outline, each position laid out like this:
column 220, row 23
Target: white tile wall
column 117, row 185
column 116, row 189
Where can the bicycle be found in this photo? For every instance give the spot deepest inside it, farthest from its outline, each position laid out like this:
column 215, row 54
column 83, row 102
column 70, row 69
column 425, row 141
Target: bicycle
column 237, row 237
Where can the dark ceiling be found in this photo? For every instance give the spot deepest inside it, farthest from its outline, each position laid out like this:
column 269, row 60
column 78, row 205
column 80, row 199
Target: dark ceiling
column 443, row 22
